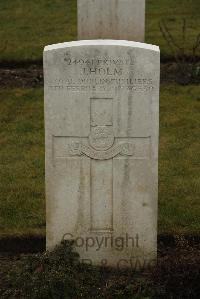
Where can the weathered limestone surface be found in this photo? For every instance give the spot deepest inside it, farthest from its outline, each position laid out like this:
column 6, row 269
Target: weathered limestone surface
column 111, row 19
column 101, row 127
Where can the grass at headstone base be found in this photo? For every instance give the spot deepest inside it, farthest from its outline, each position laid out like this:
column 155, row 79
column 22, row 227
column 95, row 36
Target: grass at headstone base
column 27, row 26
column 61, row 274
column 22, row 204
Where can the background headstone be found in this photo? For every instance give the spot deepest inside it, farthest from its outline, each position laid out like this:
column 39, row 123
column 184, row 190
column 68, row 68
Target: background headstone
column 102, row 124
column 111, row 19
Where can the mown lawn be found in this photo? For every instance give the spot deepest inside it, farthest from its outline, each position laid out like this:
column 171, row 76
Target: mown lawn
column 27, row 26
column 22, row 202
column 179, row 161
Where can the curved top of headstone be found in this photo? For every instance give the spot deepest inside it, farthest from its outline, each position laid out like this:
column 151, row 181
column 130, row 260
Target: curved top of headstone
column 102, row 42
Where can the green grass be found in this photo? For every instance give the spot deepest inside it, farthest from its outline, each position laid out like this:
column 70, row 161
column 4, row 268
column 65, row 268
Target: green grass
column 22, row 202
column 27, row 26
column 179, row 181
column 173, row 11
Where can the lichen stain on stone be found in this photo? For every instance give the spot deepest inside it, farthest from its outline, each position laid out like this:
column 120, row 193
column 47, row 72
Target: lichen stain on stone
column 81, row 193
column 130, row 97
column 125, row 193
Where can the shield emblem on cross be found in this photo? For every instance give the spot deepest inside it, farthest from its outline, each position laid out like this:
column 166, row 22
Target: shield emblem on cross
column 101, row 137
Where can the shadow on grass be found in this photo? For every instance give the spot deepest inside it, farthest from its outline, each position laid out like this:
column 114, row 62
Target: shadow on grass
column 58, row 274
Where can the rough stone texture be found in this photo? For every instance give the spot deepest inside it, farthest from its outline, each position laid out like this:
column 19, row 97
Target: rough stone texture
column 102, row 125
column 111, row 19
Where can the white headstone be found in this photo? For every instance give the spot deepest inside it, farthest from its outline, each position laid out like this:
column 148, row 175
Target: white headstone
column 102, row 125
column 111, row 19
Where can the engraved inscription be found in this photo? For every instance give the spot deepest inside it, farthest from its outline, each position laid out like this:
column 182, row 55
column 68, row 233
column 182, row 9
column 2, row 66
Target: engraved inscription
column 102, row 71
column 98, row 61
column 81, row 84
column 78, row 149
column 65, row 147
column 102, row 74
